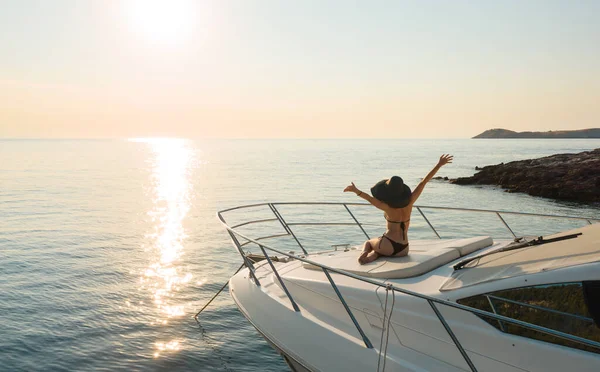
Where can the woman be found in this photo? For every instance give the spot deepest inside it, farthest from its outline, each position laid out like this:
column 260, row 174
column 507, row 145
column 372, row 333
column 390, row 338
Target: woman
column 396, row 200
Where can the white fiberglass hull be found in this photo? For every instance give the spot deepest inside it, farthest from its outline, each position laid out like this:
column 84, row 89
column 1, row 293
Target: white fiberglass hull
column 294, row 365
column 322, row 338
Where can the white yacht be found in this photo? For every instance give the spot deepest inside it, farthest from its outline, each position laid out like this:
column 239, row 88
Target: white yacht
column 466, row 304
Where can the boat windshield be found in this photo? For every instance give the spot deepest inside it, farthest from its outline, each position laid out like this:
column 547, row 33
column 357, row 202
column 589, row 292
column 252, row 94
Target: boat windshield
column 516, row 245
column 530, row 260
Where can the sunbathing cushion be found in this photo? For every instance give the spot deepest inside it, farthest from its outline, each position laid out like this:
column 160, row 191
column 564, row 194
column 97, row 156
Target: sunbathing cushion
column 424, row 256
column 470, row 245
column 415, row 264
column 464, row 246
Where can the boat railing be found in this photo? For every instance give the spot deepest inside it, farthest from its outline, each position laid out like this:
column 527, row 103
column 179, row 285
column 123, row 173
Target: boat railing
column 327, row 270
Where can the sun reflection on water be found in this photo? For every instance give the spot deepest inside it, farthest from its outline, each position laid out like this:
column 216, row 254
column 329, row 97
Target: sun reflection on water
column 171, row 203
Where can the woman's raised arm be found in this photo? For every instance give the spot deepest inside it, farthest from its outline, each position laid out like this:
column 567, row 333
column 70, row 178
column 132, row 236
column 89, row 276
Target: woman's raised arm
column 376, row 203
column 444, row 159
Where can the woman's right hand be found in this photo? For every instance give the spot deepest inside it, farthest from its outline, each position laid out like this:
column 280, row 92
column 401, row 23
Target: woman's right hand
column 445, row 159
column 351, row 188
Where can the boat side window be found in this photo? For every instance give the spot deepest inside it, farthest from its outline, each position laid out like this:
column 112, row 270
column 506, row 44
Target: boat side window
column 572, row 308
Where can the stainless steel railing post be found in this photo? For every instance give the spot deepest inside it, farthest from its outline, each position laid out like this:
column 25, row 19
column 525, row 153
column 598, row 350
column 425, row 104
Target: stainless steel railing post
column 248, row 263
column 337, row 292
column 429, row 223
column 296, row 308
column 452, row 336
column 495, row 312
column 358, row 223
column 285, row 226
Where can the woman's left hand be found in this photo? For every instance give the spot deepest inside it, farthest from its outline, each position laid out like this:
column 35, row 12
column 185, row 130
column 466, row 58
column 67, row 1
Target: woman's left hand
column 445, row 159
column 351, row 188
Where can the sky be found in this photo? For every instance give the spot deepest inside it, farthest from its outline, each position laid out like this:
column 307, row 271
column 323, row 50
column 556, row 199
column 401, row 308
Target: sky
column 296, row 69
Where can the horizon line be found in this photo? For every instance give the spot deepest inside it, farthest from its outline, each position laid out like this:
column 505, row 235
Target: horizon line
column 215, row 138
column 142, row 139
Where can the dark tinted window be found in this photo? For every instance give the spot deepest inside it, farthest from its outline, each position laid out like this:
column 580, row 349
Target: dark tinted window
column 561, row 307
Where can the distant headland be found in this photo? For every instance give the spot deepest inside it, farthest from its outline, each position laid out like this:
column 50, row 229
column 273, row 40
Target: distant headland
column 505, row 133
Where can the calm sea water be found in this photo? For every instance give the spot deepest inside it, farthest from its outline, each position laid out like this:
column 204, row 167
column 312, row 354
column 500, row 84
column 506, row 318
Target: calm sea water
column 109, row 247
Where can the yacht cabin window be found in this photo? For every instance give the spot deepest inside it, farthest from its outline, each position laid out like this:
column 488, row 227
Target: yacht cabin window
column 572, row 308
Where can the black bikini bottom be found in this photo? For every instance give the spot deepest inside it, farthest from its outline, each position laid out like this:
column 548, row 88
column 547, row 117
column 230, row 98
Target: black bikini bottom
column 398, row 247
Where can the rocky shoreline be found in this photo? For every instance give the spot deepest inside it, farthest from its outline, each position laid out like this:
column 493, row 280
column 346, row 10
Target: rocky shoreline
column 573, row 177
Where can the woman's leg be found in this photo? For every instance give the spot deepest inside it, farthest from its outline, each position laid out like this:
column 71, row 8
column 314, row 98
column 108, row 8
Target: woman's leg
column 370, row 257
column 368, row 253
column 365, row 251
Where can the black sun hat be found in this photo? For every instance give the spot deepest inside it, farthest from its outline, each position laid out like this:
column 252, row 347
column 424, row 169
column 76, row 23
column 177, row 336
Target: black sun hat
column 392, row 191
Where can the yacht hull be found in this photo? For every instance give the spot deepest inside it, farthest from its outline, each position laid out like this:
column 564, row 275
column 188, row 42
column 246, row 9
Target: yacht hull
column 295, row 366
column 321, row 337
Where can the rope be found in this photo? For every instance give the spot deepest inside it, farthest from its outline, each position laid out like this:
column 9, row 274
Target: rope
column 386, row 327
column 212, row 344
column 205, row 337
column 215, row 296
column 382, row 328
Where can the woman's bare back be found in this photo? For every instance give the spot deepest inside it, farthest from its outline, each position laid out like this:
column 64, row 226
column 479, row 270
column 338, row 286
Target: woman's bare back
column 398, row 221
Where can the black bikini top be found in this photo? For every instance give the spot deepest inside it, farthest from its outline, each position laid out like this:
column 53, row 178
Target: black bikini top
column 402, row 226
column 390, row 221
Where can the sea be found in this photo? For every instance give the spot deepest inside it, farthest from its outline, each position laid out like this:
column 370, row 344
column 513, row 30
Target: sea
column 108, row 248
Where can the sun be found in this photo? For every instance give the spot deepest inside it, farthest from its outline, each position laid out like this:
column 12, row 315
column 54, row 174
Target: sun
column 162, row 21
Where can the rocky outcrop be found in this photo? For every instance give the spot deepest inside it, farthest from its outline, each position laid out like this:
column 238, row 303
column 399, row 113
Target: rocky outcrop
column 563, row 176
column 505, row 133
